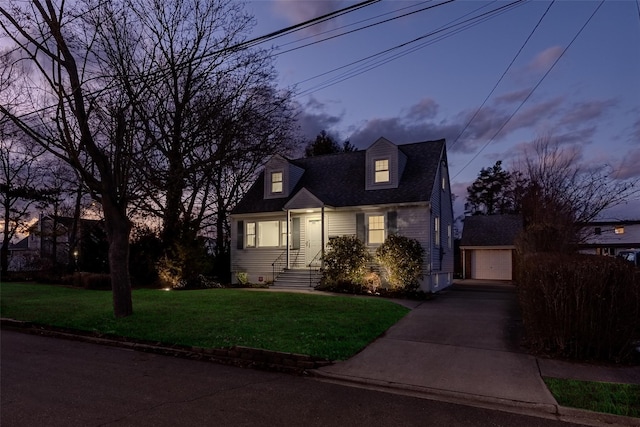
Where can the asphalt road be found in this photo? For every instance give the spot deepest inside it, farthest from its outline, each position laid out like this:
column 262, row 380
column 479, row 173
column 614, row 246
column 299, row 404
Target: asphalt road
column 56, row 382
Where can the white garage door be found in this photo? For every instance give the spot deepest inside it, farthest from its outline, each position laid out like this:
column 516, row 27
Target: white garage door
column 492, row 264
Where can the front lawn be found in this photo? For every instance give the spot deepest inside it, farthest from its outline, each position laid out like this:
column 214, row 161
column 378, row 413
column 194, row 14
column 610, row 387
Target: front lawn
column 333, row 327
column 612, row 398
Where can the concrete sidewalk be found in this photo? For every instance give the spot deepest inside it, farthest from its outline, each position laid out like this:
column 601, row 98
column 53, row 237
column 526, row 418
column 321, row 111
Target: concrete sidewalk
column 464, row 347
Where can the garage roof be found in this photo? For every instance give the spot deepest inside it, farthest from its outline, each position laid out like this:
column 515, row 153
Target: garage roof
column 491, row 230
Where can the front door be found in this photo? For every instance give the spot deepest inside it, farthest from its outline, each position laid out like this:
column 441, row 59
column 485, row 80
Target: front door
column 313, row 239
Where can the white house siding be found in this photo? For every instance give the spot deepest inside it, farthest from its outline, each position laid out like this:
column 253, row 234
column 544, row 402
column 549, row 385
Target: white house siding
column 441, row 268
column 414, row 222
column 256, row 262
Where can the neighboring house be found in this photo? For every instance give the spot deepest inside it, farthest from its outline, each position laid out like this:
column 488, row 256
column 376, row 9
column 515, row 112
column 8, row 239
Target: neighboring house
column 36, row 251
column 296, row 206
column 488, row 245
column 610, row 237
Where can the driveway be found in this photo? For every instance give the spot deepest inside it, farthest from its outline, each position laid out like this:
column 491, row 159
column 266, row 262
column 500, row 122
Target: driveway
column 463, row 344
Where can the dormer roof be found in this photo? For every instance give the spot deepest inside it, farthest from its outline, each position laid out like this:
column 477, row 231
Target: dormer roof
column 339, row 180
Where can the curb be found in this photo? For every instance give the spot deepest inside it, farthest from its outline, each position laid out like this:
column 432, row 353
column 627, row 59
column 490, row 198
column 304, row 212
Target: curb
column 541, row 410
column 300, row 364
column 245, row 357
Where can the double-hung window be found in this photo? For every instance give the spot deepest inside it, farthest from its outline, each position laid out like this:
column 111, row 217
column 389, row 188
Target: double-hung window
column 381, row 170
column 436, row 231
column 376, row 229
column 276, row 182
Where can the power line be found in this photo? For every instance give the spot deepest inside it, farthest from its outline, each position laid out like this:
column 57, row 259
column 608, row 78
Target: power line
column 366, row 27
column 237, row 47
column 475, row 114
column 354, row 23
column 532, row 90
column 468, row 23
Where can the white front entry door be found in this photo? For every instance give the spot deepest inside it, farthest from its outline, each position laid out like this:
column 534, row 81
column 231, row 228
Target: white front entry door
column 313, row 239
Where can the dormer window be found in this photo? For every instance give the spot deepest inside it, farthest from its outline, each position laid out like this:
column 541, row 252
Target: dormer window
column 276, row 182
column 382, row 170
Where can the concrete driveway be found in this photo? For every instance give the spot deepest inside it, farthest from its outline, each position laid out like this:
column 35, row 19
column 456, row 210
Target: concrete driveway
column 464, row 344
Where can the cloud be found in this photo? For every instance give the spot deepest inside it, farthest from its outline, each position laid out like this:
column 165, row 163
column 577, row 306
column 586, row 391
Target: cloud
column 297, row 11
column 545, row 59
column 313, row 118
column 629, row 166
column 426, row 108
column 512, row 97
column 584, row 112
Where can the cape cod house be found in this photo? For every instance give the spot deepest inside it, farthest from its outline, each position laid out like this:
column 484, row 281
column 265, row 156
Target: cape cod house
column 295, row 207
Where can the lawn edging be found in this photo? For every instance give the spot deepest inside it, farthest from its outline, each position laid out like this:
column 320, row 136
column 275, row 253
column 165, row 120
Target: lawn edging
column 239, row 356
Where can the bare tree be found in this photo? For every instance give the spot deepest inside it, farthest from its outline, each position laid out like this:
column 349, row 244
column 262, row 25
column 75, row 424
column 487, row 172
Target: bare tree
column 20, row 187
column 563, row 195
column 55, row 101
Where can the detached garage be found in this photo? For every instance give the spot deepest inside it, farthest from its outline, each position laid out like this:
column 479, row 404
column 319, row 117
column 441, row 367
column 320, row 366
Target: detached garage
column 488, row 244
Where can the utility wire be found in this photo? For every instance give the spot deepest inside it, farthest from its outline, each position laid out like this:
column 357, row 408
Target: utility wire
column 365, row 27
column 239, row 46
column 532, row 90
column 353, row 23
column 468, row 23
column 502, row 76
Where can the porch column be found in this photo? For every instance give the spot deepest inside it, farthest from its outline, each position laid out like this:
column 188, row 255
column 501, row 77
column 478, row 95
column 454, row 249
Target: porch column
column 287, row 243
column 322, row 236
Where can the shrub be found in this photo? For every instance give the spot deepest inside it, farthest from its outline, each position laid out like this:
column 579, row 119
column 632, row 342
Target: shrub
column 86, row 280
column 577, row 306
column 401, row 259
column 345, row 261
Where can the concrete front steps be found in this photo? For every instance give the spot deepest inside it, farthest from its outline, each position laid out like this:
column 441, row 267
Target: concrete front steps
column 297, row 278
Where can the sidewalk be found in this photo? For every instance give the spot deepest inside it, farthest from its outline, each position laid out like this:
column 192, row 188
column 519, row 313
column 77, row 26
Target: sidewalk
column 463, row 347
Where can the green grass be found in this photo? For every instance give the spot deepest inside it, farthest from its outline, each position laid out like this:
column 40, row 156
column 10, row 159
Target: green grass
column 333, row 327
column 612, row 398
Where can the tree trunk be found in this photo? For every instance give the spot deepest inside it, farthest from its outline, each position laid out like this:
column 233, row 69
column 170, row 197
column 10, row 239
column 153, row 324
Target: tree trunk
column 118, row 230
column 4, row 251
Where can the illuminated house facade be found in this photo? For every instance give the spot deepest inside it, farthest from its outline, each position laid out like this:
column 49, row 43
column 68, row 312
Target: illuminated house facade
column 295, row 207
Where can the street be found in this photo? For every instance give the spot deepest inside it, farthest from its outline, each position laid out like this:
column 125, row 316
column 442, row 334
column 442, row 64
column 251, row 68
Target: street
column 57, row 382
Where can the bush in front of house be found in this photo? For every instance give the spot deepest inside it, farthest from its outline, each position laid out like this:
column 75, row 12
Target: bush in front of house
column 582, row 307
column 345, row 262
column 401, row 259
column 87, row 280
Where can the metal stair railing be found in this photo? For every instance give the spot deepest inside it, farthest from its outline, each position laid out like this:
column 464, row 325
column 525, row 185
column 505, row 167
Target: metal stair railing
column 279, row 265
column 314, row 262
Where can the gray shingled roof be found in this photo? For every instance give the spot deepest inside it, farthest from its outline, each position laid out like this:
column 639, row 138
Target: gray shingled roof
column 339, row 180
column 491, row 230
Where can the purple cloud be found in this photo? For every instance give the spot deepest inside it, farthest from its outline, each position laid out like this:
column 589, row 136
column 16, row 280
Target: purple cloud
column 426, row 108
column 629, row 166
column 299, row 11
column 313, row 118
column 585, row 111
column 512, row 97
column 544, row 60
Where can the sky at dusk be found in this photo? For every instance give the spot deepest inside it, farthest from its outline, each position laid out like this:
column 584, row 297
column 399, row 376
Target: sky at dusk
column 589, row 101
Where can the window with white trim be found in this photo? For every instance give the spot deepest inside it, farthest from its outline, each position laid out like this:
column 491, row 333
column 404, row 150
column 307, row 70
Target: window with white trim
column 251, row 235
column 376, row 229
column 449, row 236
column 436, row 230
column 381, row 170
column 276, row 182
column 268, row 234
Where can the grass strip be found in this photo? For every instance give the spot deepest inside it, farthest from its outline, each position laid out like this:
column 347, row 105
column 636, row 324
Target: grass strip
column 612, row 398
column 332, row 327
